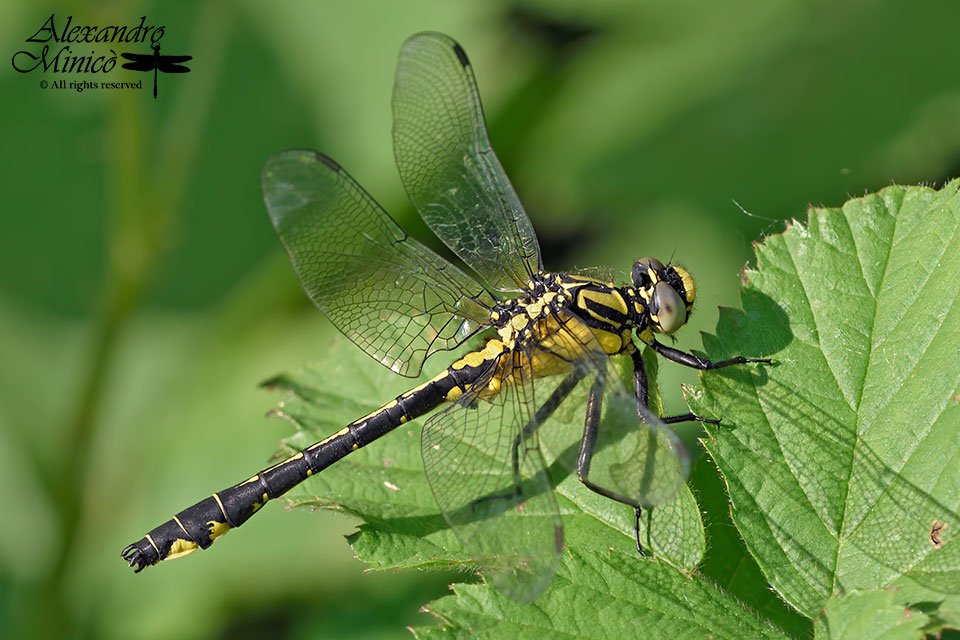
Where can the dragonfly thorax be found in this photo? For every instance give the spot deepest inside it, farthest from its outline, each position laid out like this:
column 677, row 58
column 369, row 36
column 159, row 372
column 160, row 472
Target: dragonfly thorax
column 550, row 299
column 517, row 319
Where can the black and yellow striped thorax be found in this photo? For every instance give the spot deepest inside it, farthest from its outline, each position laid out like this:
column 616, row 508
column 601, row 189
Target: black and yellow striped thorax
column 534, row 333
column 532, row 317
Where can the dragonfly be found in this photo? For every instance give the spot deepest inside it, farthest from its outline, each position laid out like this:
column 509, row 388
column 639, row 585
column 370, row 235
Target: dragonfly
column 548, row 339
column 155, row 63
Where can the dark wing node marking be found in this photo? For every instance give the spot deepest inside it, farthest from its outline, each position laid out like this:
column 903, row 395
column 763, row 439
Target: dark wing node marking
column 394, row 297
column 449, row 169
column 461, row 54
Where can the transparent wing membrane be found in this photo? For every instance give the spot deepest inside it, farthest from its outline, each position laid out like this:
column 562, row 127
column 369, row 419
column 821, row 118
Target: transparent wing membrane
column 502, row 508
column 449, row 169
column 391, row 295
column 636, row 456
column 485, row 464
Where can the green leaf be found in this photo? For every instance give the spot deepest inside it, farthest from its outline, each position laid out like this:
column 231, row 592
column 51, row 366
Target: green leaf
column 605, row 594
column 869, row 614
column 728, row 563
column 842, row 459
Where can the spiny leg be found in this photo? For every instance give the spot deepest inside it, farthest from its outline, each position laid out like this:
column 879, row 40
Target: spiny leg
column 544, row 412
column 687, row 360
column 642, row 390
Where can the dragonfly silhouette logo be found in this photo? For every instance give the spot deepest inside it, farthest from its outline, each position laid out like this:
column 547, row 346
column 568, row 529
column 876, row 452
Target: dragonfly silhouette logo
column 73, row 55
column 156, row 63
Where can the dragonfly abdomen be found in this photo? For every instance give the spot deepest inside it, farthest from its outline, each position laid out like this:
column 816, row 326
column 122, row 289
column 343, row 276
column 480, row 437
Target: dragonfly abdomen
column 197, row 527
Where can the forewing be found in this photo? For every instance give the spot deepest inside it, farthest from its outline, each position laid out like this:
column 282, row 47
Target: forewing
column 488, row 477
column 392, row 296
column 449, row 169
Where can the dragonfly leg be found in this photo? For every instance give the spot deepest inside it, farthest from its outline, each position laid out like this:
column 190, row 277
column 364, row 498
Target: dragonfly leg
column 543, row 414
column 642, row 391
column 696, row 362
column 587, row 446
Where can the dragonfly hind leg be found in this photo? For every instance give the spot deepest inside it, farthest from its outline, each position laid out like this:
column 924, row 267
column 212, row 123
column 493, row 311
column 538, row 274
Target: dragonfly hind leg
column 587, row 446
column 543, row 414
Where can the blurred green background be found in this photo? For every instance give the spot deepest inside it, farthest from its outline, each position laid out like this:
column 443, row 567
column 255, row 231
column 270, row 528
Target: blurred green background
column 143, row 294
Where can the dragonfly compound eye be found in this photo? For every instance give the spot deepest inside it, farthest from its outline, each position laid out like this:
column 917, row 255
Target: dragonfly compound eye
column 668, row 308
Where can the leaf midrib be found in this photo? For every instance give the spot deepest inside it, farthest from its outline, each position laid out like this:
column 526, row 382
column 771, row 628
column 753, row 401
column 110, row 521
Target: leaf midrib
column 857, row 429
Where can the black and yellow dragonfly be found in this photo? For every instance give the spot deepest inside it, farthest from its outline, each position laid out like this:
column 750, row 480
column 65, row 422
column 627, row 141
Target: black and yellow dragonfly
column 549, row 338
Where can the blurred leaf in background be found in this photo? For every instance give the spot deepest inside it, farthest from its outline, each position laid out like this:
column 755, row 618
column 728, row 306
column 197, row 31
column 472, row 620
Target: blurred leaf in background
column 143, row 294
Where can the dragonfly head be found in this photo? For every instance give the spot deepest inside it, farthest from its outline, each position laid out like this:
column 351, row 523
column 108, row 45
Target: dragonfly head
column 668, row 293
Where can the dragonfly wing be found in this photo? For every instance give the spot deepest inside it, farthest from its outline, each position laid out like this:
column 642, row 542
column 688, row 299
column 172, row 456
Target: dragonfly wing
column 166, row 67
column 502, row 508
column 394, row 297
column 601, row 273
column 449, row 169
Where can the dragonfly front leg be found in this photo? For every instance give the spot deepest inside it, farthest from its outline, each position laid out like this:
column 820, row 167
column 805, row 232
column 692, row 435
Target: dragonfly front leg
column 696, row 362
